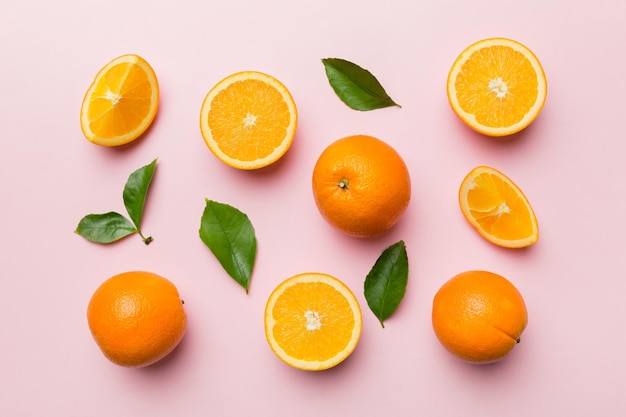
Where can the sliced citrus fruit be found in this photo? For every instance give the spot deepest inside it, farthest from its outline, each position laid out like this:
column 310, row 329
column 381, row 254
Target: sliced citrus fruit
column 248, row 120
column 121, row 103
column 312, row 321
column 498, row 209
column 497, row 86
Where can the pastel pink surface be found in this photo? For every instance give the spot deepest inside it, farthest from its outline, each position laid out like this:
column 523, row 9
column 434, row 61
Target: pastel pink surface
column 569, row 163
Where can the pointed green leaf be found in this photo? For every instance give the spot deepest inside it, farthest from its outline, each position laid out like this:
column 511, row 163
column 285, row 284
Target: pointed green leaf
column 356, row 86
column 105, row 228
column 385, row 284
column 229, row 234
column 136, row 191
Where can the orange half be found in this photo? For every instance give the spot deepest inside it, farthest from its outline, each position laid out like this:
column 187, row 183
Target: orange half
column 497, row 86
column 248, row 120
column 121, row 103
column 312, row 321
column 498, row 209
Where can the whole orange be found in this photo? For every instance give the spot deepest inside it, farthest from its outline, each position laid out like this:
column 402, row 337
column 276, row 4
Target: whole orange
column 361, row 185
column 479, row 316
column 136, row 318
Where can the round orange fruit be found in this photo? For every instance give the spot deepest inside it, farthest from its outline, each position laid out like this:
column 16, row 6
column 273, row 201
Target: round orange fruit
column 497, row 86
column 136, row 318
column 312, row 321
column 479, row 316
column 361, row 185
column 248, row 120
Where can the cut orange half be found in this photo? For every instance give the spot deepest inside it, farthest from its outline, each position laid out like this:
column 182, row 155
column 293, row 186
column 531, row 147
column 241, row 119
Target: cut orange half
column 497, row 86
column 121, row 103
column 498, row 209
column 248, row 120
column 312, row 321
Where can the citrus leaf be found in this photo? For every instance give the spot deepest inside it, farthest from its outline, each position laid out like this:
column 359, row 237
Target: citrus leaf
column 356, row 86
column 229, row 234
column 135, row 193
column 385, row 285
column 105, row 228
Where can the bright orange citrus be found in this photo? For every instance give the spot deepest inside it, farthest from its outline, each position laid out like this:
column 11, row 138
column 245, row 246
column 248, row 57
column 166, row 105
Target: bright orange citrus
column 361, row 185
column 312, row 321
column 136, row 318
column 497, row 208
column 479, row 316
column 497, row 86
column 121, row 103
column 248, row 120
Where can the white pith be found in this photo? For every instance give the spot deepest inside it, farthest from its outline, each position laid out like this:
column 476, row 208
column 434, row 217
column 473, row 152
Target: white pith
column 498, row 87
column 249, row 120
column 313, row 320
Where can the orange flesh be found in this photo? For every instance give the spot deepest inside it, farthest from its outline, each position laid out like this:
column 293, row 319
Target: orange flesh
column 249, row 120
column 121, row 101
column 304, row 327
column 498, row 208
column 498, row 85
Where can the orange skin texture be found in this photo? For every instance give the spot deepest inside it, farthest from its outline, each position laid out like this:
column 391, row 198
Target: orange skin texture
column 361, row 185
column 479, row 316
column 136, row 318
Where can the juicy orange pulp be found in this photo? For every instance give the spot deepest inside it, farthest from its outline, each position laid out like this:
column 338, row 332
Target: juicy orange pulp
column 248, row 120
column 312, row 321
column 497, row 86
column 497, row 208
column 121, row 103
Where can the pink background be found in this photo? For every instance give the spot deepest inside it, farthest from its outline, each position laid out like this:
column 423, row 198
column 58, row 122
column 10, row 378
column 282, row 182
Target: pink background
column 570, row 163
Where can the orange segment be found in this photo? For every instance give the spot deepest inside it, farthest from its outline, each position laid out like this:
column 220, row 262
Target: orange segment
column 121, row 103
column 248, row 120
column 312, row 321
column 498, row 209
column 497, row 86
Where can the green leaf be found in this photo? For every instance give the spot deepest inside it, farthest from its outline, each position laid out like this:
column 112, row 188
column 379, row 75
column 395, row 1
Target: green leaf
column 105, row 228
column 385, row 284
column 135, row 193
column 112, row 226
column 356, row 86
column 229, row 234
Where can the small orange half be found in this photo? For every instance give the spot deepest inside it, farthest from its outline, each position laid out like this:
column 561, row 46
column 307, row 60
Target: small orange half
column 248, row 120
column 121, row 103
column 498, row 209
column 312, row 321
column 497, row 86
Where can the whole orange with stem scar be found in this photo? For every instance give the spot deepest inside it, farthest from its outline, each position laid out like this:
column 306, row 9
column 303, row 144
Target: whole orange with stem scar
column 361, row 185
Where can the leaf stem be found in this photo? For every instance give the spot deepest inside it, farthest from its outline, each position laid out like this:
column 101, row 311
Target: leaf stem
column 146, row 240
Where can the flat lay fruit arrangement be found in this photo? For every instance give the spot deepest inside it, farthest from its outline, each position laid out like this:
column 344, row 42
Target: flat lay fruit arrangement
column 361, row 187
